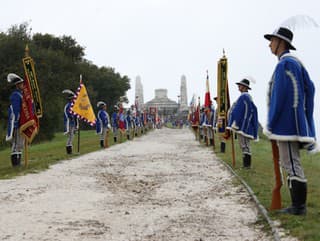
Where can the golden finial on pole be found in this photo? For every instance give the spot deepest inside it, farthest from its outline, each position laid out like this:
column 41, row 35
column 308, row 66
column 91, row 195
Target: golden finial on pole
column 223, row 52
column 26, row 51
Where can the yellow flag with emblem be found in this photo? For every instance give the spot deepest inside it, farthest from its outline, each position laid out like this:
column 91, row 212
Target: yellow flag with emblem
column 82, row 107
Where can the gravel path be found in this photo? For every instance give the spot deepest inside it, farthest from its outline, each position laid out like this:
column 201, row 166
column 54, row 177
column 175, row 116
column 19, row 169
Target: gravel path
column 161, row 186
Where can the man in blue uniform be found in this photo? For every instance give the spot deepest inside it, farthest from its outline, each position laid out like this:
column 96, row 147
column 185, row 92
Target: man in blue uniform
column 114, row 123
column 290, row 114
column 243, row 119
column 103, row 122
column 71, row 123
column 128, row 121
column 14, row 110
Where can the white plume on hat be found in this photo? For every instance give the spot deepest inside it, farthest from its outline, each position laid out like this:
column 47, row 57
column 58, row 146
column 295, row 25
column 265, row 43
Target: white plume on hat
column 299, row 22
column 67, row 91
column 100, row 103
column 14, row 78
column 250, row 78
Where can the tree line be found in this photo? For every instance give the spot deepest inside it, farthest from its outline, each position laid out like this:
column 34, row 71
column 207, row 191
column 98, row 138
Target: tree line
column 59, row 61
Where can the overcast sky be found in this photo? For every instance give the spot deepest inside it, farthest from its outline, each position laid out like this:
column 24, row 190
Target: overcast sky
column 161, row 40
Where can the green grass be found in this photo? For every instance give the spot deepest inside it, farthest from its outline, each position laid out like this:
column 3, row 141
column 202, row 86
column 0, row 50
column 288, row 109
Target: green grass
column 261, row 179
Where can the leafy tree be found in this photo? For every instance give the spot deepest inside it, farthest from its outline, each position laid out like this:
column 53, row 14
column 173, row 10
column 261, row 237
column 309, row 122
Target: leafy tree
column 58, row 62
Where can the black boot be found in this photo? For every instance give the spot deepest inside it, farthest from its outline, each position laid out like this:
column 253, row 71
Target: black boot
column 101, row 143
column 223, row 147
column 247, row 161
column 69, row 149
column 15, row 160
column 211, row 142
column 19, row 158
column 115, row 139
column 298, row 193
column 128, row 137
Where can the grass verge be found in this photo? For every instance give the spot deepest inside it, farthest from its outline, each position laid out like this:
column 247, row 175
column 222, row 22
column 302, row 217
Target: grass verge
column 42, row 155
column 261, row 180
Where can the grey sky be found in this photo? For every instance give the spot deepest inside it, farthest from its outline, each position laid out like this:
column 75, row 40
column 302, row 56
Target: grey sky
column 160, row 40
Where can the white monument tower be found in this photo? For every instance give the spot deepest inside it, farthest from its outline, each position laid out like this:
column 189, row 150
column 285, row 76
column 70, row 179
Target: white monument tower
column 139, row 93
column 183, row 94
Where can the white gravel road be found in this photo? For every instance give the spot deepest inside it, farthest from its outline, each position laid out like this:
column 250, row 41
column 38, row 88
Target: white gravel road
column 161, row 186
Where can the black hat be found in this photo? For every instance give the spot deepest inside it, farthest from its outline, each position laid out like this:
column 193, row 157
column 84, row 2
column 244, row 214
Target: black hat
column 14, row 79
column 244, row 82
column 100, row 104
column 284, row 34
column 69, row 93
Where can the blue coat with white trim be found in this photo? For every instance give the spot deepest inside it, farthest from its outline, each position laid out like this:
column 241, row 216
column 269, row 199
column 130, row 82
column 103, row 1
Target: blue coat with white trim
column 102, row 121
column 243, row 117
column 69, row 120
column 14, row 113
column 291, row 102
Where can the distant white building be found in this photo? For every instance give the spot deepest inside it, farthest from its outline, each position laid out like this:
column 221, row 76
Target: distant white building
column 139, row 93
column 183, row 94
column 164, row 105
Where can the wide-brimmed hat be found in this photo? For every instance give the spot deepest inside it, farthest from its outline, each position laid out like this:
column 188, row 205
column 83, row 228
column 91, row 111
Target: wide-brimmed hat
column 14, row 79
column 101, row 103
column 245, row 82
column 284, row 34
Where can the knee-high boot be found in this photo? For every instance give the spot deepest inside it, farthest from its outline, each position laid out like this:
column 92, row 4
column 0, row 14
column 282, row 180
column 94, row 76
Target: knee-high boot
column 15, row 160
column 246, row 161
column 298, row 193
column 223, row 147
column 69, row 149
column 102, row 143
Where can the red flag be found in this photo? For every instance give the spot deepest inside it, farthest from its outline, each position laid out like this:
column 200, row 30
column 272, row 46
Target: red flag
column 122, row 124
column 196, row 115
column 29, row 123
column 207, row 99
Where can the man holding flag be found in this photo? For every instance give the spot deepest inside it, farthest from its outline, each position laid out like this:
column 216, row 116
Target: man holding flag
column 14, row 114
column 81, row 107
column 121, row 121
column 71, row 123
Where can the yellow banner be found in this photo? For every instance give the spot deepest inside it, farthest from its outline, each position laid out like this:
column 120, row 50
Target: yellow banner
column 32, row 79
column 82, row 106
column 223, row 100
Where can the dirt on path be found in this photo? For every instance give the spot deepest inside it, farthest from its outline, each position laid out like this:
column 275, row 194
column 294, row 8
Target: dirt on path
column 161, row 186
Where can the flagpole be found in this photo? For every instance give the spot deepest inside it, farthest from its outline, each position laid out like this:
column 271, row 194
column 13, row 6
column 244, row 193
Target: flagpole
column 199, row 120
column 25, row 153
column 79, row 123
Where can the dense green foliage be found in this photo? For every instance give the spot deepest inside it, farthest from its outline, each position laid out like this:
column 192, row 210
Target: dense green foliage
column 59, row 61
